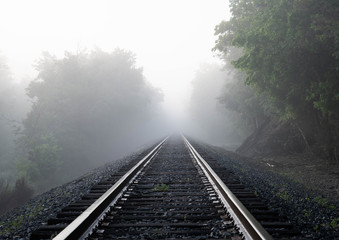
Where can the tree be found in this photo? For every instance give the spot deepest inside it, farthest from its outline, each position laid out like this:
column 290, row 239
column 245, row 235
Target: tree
column 42, row 163
column 209, row 119
column 6, row 136
column 290, row 53
column 13, row 107
column 248, row 108
column 86, row 108
column 291, row 49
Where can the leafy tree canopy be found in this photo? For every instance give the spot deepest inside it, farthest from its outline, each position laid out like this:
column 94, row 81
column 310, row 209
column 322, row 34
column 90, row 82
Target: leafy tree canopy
column 290, row 50
column 86, row 107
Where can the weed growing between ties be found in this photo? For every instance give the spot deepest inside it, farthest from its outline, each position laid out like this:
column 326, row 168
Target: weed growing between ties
column 323, row 202
column 161, row 188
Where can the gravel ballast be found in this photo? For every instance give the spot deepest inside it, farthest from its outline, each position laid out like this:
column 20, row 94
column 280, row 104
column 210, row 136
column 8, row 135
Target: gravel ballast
column 315, row 216
column 20, row 222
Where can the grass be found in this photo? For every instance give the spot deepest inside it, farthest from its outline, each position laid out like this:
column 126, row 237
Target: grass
column 307, row 213
column 323, row 202
column 12, row 226
column 335, row 223
column 283, row 194
column 161, row 188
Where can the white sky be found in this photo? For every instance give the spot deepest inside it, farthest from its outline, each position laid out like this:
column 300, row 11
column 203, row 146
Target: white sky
column 170, row 38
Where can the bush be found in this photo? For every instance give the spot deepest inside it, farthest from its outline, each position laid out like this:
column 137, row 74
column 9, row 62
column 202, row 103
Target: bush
column 14, row 197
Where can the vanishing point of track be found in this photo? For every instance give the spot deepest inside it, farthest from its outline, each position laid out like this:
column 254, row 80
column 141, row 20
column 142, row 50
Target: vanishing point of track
column 171, row 193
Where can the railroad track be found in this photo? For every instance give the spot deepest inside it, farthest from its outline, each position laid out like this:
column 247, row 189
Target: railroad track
column 171, row 193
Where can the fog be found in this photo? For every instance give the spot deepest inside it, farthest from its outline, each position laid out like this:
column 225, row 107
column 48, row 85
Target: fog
column 84, row 83
column 170, row 38
column 14, row 105
column 208, row 119
column 88, row 108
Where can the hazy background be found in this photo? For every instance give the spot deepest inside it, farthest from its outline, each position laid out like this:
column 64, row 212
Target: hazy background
column 170, row 38
column 85, row 82
column 207, row 117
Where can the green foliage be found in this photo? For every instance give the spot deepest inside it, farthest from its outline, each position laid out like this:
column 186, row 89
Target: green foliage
column 283, row 194
column 222, row 96
column 86, row 106
column 335, row 223
column 211, row 120
column 12, row 225
column 54, row 235
column 242, row 100
column 324, row 202
column 161, row 188
column 307, row 213
column 13, row 107
column 290, row 50
column 43, row 161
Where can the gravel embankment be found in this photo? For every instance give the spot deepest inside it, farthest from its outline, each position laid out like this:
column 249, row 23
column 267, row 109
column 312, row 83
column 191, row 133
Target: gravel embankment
column 21, row 221
column 314, row 215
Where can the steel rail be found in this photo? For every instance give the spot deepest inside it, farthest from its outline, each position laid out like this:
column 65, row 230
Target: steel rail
column 247, row 224
column 83, row 224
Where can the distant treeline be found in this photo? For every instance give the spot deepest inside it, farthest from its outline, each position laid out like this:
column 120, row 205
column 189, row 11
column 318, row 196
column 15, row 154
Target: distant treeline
column 81, row 111
column 88, row 108
column 287, row 52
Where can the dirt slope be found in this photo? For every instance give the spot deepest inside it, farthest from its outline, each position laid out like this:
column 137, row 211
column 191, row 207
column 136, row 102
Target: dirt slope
column 280, row 146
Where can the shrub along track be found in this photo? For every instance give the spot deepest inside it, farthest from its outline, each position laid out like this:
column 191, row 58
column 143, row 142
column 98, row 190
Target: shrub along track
column 170, row 198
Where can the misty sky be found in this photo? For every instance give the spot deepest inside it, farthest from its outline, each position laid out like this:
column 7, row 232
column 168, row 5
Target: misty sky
column 170, row 38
